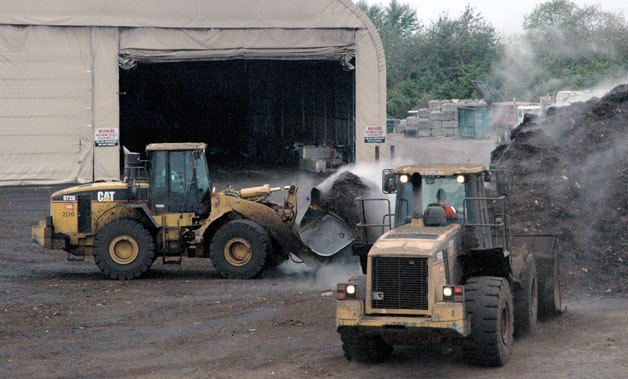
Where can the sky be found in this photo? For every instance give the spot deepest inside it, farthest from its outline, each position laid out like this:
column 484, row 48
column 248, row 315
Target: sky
column 505, row 15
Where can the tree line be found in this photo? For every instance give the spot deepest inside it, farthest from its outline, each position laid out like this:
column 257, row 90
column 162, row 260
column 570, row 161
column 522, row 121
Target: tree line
column 562, row 46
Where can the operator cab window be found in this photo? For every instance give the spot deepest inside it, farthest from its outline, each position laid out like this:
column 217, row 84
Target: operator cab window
column 172, row 181
column 181, row 178
column 454, row 194
column 158, row 185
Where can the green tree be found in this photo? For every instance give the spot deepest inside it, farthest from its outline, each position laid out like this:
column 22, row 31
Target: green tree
column 460, row 50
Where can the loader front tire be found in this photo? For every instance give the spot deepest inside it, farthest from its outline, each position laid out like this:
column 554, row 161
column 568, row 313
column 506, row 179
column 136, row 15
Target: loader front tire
column 489, row 307
column 124, row 249
column 526, row 299
column 239, row 249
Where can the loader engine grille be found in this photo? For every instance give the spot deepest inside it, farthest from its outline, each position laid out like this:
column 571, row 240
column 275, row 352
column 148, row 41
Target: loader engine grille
column 399, row 283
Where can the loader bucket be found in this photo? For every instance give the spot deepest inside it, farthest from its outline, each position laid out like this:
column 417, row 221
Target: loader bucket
column 544, row 248
column 324, row 233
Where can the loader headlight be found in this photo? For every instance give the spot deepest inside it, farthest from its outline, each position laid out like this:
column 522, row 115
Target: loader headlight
column 460, row 178
column 453, row 293
column 404, row 178
column 346, row 291
column 350, row 289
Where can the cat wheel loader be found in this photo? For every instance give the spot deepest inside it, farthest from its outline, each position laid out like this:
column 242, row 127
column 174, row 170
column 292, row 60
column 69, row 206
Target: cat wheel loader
column 448, row 269
column 165, row 208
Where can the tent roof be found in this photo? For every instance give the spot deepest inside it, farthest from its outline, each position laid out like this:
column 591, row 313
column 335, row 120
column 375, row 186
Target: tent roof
column 185, row 13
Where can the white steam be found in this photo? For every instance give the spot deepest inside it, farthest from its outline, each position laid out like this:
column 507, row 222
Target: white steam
column 327, row 276
column 324, row 278
column 524, row 76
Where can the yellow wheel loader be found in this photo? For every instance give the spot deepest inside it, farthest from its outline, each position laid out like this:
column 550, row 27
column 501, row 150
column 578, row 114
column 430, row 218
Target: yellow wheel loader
column 448, row 268
column 166, row 208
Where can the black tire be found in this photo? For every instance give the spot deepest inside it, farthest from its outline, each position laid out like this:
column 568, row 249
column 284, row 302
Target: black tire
column 488, row 303
column 550, row 301
column 276, row 259
column 124, row 249
column 526, row 299
column 239, row 249
column 364, row 348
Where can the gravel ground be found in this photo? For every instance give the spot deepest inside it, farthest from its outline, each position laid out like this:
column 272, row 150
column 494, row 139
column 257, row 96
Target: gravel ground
column 62, row 319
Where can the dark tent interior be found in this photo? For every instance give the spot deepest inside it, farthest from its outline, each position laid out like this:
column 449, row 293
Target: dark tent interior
column 247, row 111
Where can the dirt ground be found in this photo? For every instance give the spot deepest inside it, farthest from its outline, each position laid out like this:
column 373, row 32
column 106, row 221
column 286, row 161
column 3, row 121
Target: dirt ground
column 63, row 319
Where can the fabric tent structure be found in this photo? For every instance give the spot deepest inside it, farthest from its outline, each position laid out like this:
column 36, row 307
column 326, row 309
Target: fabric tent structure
column 59, row 62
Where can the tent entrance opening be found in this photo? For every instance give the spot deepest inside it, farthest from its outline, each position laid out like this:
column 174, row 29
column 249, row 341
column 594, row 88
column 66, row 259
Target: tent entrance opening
column 250, row 111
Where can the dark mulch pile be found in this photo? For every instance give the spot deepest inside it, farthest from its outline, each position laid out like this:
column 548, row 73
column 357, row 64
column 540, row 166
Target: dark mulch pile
column 340, row 199
column 571, row 176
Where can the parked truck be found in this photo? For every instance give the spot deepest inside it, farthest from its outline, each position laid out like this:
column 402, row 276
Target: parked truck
column 449, row 268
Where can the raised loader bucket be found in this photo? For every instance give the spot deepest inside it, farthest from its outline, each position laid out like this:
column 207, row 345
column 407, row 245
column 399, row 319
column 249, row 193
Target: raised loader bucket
column 544, row 247
column 325, row 234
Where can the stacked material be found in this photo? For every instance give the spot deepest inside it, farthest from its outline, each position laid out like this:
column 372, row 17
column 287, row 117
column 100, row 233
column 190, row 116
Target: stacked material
column 439, row 119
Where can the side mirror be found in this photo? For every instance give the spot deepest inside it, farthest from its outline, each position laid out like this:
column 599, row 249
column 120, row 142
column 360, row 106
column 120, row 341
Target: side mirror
column 504, row 182
column 389, row 181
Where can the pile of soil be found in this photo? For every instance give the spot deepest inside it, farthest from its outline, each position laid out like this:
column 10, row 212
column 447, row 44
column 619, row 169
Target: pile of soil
column 571, row 178
column 340, row 199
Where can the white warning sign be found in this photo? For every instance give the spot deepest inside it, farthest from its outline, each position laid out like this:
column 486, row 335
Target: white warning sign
column 106, row 137
column 374, row 134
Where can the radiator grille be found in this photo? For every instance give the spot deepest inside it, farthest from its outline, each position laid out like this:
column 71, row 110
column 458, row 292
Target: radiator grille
column 399, row 283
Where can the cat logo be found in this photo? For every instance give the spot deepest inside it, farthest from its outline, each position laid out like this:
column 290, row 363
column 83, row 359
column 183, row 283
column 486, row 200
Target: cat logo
column 105, row 196
column 379, row 295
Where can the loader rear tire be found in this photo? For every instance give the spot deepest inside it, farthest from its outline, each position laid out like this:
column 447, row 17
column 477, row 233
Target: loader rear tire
column 239, row 249
column 526, row 299
column 365, row 348
column 124, row 249
column 489, row 307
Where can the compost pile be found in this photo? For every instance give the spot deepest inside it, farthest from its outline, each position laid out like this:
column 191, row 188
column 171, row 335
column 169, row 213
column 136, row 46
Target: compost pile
column 340, row 199
column 571, row 178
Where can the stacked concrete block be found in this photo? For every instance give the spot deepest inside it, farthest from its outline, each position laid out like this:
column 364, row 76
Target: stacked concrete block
column 424, row 133
column 440, row 118
column 436, row 116
column 450, row 128
column 450, row 124
column 450, row 111
column 424, row 123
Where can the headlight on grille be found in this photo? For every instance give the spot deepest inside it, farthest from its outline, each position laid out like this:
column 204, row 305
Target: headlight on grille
column 453, row 293
column 346, row 291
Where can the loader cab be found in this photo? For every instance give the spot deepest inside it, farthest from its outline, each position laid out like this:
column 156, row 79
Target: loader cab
column 435, row 194
column 179, row 178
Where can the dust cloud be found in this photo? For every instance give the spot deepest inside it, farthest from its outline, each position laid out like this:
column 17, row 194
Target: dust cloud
column 343, row 186
column 322, row 278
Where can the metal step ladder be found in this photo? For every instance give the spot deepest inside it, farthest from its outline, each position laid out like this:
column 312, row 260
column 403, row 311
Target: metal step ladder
column 169, row 255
